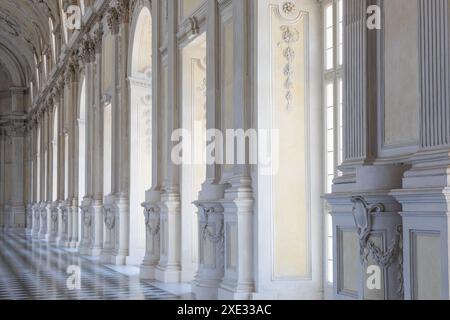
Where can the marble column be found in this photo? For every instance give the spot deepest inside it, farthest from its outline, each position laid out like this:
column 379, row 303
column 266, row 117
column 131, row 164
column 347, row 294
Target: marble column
column 169, row 266
column 122, row 131
column 36, row 214
column 238, row 281
column 49, row 166
column 115, row 247
column 62, row 139
column 153, row 196
column 87, row 55
column 42, row 177
column 96, row 208
column 210, row 216
column 112, row 17
column 74, row 153
column 54, row 168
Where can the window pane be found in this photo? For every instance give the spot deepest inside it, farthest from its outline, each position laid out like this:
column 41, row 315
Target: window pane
column 330, row 118
column 329, row 59
column 330, row 141
column 329, row 16
column 329, row 225
column 330, row 247
column 330, row 95
column 330, row 163
column 329, row 38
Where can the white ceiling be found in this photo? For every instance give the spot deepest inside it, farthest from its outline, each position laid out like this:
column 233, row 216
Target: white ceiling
column 24, row 31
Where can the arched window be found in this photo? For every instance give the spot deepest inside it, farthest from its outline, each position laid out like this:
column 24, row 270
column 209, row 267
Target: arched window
column 193, row 172
column 141, row 131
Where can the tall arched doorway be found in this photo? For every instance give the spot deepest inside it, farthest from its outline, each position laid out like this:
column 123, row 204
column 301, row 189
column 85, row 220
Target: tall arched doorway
column 140, row 80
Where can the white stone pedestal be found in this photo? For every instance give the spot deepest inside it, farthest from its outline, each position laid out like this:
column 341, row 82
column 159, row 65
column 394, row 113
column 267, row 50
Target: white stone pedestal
column 153, row 235
column 96, row 238
column 169, row 268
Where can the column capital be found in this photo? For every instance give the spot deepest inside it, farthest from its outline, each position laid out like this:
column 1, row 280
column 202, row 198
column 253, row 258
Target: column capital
column 112, row 18
column 124, row 11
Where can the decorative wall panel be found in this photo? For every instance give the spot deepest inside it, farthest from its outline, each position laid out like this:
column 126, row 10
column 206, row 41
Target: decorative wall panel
column 401, row 76
column 289, row 48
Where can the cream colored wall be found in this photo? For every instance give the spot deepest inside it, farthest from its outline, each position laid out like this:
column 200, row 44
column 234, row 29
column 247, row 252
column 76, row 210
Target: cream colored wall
column 402, row 98
column 290, row 183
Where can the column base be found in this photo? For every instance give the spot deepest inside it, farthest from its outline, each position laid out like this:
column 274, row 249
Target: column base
column 147, row 272
column 113, row 259
column 225, row 294
column 204, row 291
column 94, row 252
column 231, row 290
column 52, row 239
column 73, row 244
column 167, row 275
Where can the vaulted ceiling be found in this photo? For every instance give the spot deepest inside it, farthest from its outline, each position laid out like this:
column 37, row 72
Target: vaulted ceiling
column 24, row 32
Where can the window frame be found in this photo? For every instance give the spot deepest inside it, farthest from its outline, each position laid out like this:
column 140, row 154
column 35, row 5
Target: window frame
column 331, row 76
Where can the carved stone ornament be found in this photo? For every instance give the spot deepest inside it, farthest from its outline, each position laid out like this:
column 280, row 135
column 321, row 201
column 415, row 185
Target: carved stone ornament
column 109, row 218
column 64, row 215
column 289, row 11
column 362, row 214
column 152, row 220
column 112, row 18
column 98, row 38
column 290, row 35
column 124, row 10
column 87, row 219
column 54, row 215
column 205, row 229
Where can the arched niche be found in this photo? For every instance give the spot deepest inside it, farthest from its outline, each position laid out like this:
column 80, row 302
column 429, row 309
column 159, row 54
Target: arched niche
column 140, row 86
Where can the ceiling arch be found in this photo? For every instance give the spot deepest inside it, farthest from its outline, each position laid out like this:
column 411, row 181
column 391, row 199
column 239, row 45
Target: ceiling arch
column 24, row 32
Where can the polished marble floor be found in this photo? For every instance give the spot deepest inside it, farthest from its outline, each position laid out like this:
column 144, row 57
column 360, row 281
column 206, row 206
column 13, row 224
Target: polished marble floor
column 34, row 270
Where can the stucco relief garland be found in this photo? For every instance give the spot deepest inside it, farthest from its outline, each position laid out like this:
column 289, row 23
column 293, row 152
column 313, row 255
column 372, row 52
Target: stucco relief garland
column 217, row 238
column 289, row 36
column 362, row 214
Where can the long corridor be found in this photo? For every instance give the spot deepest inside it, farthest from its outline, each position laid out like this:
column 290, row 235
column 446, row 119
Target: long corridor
column 32, row 269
